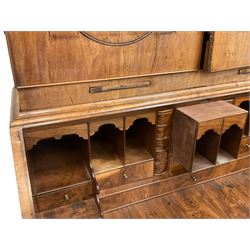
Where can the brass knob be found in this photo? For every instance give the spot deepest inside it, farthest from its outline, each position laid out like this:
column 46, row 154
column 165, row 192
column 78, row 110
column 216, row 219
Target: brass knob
column 193, row 178
column 125, row 176
column 66, row 197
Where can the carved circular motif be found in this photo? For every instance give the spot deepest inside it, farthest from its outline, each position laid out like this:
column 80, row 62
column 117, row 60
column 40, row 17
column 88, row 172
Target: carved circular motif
column 116, row 38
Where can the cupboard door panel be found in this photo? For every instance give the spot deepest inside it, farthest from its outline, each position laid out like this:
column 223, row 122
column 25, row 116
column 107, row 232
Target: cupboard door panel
column 54, row 57
column 229, row 50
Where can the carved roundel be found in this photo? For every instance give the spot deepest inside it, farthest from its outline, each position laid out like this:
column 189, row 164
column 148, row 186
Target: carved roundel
column 116, row 38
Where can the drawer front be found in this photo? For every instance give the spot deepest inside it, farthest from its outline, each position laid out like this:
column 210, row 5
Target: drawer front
column 138, row 172
column 239, row 120
column 64, row 197
column 125, row 175
column 32, row 136
column 215, row 125
column 244, row 147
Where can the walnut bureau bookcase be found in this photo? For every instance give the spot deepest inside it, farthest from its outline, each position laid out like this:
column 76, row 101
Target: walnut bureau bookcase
column 102, row 120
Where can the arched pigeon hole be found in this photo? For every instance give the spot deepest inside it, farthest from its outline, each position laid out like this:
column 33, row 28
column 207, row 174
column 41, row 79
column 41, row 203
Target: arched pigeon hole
column 229, row 145
column 107, row 148
column 58, row 163
column 140, row 138
column 206, row 150
column 245, row 105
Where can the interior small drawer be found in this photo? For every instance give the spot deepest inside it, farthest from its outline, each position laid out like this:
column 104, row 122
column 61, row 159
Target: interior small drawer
column 125, row 175
column 138, row 171
column 244, row 147
column 64, row 197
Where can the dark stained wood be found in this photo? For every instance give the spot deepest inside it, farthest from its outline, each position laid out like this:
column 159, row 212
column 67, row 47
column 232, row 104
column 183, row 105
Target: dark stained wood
column 226, row 197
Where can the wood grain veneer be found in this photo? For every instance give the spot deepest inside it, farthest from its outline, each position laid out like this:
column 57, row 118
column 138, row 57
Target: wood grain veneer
column 97, row 117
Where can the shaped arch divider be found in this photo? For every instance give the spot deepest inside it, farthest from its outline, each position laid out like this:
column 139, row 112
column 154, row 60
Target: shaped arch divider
column 217, row 148
column 121, row 142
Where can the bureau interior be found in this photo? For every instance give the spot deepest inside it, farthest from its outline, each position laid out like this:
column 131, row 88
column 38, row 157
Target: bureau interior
column 206, row 150
column 230, row 142
column 55, row 164
column 107, row 148
column 65, row 161
column 139, row 144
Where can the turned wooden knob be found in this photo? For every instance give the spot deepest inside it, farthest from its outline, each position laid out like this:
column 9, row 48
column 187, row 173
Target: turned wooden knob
column 125, row 176
column 66, row 197
column 194, row 178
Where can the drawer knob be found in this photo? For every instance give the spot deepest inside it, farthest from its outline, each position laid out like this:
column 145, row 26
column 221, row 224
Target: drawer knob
column 66, row 197
column 125, row 176
column 194, row 178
